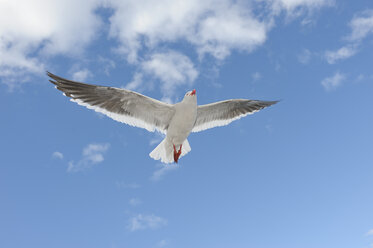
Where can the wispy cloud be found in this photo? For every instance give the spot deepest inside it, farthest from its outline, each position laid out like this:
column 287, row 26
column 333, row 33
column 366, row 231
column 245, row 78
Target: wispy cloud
column 361, row 77
column 342, row 53
column 361, row 26
column 256, row 76
column 292, row 5
column 144, row 221
column 162, row 243
column 162, row 170
column 296, row 8
column 333, row 82
column 136, row 82
column 370, row 233
column 134, row 202
column 92, row 154
column 106, row 64
column 82, row 75
column 57, row 155
column 305, row 56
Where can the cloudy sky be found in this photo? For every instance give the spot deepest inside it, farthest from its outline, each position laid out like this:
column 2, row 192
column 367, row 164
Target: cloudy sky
column 297, row 174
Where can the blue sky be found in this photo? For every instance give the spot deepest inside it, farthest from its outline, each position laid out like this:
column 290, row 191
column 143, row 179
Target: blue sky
column 297, row 174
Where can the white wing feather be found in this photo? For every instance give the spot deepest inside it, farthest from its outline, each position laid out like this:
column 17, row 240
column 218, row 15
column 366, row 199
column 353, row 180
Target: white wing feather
column 121, row 105
column 224, row 112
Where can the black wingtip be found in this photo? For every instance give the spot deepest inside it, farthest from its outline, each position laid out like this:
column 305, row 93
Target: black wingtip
column 51, row 75
column 59, row 79
column 272, row 102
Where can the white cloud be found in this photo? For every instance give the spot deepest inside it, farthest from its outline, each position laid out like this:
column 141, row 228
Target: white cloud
column 295, row 8
column 173, row 69
column 106, row 64
column 32, row 30
column 135, row 83
column 211, row 27
column 342, row 53
column 293, row 4
column 163, row 169
column 82, row 75
column 370, row 233
column 361, row 25
column 134, row 202
column 168, row 99
column 231, row 27
column 143, row 221
column 331, row 83
column 92, row 154
column 57, row 155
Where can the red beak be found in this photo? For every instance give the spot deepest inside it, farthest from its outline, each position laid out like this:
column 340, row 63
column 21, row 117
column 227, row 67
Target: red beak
column 193, row 92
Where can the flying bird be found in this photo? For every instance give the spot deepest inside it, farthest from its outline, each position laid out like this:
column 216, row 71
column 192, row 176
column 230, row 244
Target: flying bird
column 176, row 121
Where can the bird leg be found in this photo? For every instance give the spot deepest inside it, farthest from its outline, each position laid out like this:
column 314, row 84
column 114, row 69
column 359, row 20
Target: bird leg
column 177, row 153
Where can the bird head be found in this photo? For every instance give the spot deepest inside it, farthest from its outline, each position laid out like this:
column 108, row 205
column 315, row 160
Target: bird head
column 190, row 96
column 190, row 93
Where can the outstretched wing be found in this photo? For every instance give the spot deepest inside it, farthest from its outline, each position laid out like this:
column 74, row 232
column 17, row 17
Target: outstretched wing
column 224, row 112
column 121, row 105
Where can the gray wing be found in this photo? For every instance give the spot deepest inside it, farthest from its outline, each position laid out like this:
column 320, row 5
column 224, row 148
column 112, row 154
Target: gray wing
column 224, row 112
column 121, row 105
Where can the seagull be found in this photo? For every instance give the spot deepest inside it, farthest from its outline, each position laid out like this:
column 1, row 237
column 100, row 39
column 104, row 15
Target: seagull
column 176, row 121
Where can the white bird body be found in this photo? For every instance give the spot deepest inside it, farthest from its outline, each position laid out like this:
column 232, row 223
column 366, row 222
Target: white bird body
column 183, row 121
column 179, row 129
column 174, row 120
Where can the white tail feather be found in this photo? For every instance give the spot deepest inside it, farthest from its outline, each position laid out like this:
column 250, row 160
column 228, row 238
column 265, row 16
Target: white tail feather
column 165, row 151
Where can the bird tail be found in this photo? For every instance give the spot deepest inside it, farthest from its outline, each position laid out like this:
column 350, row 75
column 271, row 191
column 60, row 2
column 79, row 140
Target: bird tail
column 165, row 151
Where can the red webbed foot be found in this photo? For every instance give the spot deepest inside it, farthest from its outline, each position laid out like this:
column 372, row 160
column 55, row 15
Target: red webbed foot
column 177, row 153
